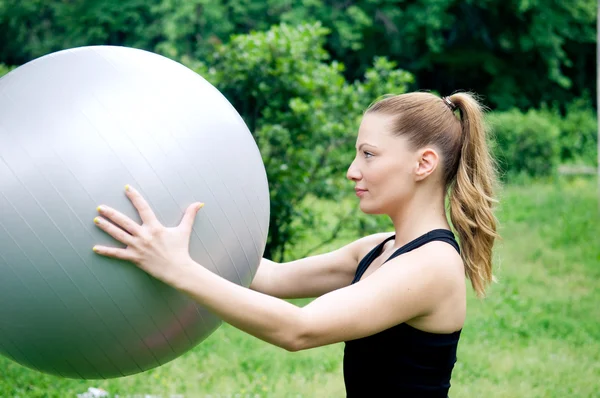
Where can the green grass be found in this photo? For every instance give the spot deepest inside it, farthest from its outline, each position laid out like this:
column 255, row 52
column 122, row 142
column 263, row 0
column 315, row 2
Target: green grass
column 537, row 334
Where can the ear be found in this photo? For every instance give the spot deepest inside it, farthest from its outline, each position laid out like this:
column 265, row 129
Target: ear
column 428, row 160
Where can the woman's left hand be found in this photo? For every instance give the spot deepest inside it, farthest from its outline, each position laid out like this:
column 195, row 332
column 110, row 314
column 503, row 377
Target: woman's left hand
column 154, row 248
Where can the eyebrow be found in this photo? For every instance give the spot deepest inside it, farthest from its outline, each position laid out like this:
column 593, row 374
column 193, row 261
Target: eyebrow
column 365, row 143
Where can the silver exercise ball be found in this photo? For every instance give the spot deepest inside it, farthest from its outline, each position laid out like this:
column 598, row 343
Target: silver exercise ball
column 76, row 126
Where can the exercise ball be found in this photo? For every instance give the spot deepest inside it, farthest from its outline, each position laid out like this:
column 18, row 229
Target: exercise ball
column 76, row 126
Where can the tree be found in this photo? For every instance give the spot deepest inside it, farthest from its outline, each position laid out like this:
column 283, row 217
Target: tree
column 303, row 114
column 30, row 29
column 5, row 69
column 518, row 53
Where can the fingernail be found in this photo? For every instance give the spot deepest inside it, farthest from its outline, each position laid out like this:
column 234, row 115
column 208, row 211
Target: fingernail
column 96, row 220
column 100, row 208
column 127, row 187
column 200, row 205
column 95, row 249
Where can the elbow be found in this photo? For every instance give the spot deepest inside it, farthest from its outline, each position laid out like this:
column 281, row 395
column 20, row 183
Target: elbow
column 304, row 341
column 292, row 347
column 296, row 345
column 301, row 337
column 293, row 342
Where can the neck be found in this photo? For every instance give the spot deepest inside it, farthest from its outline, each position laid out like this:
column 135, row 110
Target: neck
column 423, row 212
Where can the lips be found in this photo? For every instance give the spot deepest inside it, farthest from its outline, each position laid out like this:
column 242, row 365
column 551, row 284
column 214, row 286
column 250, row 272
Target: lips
column 360, row 192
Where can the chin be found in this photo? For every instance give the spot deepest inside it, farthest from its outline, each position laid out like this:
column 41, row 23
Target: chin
column 365, row 208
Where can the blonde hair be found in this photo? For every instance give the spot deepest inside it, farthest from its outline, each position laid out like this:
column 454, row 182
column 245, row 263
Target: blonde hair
column 469, row 171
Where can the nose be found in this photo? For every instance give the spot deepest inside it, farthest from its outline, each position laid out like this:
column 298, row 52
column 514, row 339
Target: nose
column 353, row 172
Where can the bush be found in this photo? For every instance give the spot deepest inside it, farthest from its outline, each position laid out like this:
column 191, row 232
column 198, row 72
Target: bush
column 579, row 134
column 5, row 69
column 303, row 114
column 526, row 143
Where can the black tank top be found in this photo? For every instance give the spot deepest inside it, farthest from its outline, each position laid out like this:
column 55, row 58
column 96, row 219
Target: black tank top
column 401, row 361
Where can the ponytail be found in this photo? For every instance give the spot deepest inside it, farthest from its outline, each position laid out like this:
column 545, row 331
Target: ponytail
column 471, row 194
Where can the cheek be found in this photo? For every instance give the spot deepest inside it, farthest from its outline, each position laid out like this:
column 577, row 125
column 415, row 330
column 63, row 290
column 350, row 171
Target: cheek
column 392, row 173
column 399, row 181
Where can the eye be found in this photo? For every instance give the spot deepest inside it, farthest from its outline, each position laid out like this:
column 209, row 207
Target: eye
column 367, row 154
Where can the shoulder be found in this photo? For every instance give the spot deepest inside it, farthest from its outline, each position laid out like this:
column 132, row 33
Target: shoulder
column 435, row 270
column 354, row 251
column 437, row 254
column 439, row 274
column 364, row 245
column 437, row 259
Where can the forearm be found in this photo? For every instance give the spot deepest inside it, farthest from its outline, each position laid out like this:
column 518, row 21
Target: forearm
column 268, row 318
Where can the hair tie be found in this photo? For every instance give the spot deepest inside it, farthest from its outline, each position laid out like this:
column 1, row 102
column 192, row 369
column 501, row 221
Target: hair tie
column 450, row 104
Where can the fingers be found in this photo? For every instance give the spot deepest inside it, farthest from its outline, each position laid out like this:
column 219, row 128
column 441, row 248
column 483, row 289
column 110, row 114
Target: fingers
column 187, row 223
column 120, row 219
column 114, row 231
column 143, row 208
column 114, row 252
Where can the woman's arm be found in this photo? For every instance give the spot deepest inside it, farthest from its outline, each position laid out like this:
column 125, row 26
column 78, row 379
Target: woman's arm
column 307, row 277
column 268, row 318
column 402, row 289
column 313, row 276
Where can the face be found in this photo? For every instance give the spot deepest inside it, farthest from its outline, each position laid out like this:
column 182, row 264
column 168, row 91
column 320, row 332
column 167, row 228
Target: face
column 385, row 170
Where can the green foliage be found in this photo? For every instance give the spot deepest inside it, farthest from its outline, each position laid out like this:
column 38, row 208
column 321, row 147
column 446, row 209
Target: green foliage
column 579, row 134
column 30, row 29
column 303, row 113
column 5, row 69
column 112, row 22
column 526, row 143
column 24, row 29
column 537, row 51
column 533, row 144
column 519, row 53
column 188, row 28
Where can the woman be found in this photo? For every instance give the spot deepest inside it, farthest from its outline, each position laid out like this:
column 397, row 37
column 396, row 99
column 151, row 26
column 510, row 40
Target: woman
column 397, row 299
